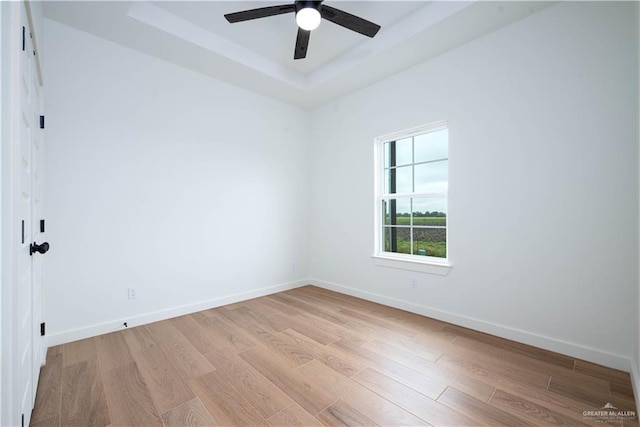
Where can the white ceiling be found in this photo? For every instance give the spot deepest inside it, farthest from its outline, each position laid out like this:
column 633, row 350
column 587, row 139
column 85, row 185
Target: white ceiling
column 258, row 54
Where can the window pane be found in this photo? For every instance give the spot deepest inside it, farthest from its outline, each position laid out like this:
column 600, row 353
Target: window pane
column 397, row 240
column 396, row 212
column 404, row 179
column 431, row 146
column 431, row 177
column 404, row 155
column 429, row 211
column 430, row 242
column 398, row 180
column 403, row 211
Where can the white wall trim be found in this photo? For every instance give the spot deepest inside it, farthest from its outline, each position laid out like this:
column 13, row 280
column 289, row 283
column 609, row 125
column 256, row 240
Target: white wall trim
column 635, row 380
column 156, row 316
column 571, row 349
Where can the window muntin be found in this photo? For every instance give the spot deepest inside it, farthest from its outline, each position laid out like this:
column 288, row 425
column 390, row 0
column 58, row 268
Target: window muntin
column 412, row 194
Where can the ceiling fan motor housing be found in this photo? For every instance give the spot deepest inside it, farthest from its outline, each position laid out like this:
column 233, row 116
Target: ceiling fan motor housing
column 303, row 4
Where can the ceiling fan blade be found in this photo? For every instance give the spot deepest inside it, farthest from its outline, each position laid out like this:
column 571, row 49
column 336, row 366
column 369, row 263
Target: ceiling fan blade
column 261, row 12
column 347, row 20
column 302, row 42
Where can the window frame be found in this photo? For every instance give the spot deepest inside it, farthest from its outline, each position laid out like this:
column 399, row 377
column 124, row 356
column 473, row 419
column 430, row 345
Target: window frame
column 422, row 263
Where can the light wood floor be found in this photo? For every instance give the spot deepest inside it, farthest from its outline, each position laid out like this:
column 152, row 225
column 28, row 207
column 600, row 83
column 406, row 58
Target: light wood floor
column 314, row 357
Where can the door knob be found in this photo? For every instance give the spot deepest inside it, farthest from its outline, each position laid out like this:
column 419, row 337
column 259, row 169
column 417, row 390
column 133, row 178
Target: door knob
column 40, row 248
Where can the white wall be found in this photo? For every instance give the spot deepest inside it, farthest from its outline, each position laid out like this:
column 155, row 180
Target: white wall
column 543, row 188
column 192, row 190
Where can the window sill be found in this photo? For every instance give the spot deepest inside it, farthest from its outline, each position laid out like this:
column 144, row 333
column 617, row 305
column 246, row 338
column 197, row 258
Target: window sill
column 439, row 268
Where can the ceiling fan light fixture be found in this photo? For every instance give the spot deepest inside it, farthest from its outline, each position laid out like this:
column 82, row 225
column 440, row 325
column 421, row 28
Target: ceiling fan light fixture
column 308, row 18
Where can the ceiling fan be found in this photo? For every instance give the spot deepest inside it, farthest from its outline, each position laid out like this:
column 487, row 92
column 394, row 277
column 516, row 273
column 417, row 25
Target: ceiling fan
column 308, row 17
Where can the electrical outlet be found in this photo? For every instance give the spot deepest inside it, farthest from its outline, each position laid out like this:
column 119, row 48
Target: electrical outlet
column 414, row 283
column 293, row 266
column 133, row 292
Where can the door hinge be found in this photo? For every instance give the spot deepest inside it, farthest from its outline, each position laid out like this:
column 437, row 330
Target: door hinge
column 42, row 225
column 22, row 420
column 24, row 40
column 23, row 231
column 41, row 122
column 42, row 329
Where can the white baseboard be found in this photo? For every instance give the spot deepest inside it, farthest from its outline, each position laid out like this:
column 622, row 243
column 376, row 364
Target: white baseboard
column 142, row 319
column 635, row 380
column 570, row 349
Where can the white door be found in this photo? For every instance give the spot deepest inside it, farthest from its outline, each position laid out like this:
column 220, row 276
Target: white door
column 28, row 353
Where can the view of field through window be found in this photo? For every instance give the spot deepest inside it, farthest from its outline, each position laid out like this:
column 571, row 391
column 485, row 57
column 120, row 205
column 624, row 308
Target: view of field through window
column 414, row 203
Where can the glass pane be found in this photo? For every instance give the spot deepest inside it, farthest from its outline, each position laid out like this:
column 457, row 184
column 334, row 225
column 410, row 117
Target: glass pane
column 396, row 212
column 397, row 239
column 431, row 146
column 404, row 179
column 403, row 212
column 404, row 154
column 431, row 177
column 430, row 242
column 429, row 211
column 398, row 180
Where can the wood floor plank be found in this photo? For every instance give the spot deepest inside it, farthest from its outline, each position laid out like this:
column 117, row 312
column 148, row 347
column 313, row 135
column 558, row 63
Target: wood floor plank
column 226, row 333
column 494, row 372
column 52, row 351
column 246, row 316
column 620, row 381
column 49, row 422
column 401, row 355
column 140, row 338
column 78, row 351
column 365, row 401
column 113, row 351
column 224, row 403
column 48, row 400
column 515, row 347
column 83, row 400
column 196, row 334
column 279, row 306
column 189, row 414
column 475, row 348
column 184, row 356
column 282, row 346
column 308, row 329
column 430, row 410
column 342, row 414
column 294, row 415
column 554, row 402
column 428, row 379
column 309, row 309
column 383, row 329
column 166, row 386
column 433, row 391
column 334, row 358
column 129, row 400
column 536, row 414
column 260, row 392
column 312, row 397
column 594, row 397
column 480, row 411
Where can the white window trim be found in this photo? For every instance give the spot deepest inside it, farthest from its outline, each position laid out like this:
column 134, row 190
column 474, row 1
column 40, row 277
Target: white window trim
column 431, row 265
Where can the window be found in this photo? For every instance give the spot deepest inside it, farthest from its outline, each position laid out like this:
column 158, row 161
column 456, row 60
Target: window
column 411, row 194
